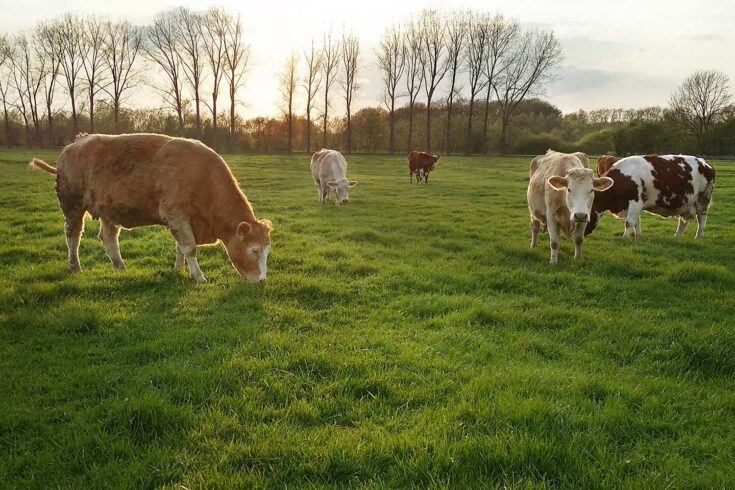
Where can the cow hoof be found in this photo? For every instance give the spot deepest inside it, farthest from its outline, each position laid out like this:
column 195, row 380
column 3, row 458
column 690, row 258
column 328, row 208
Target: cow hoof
column 200, row 279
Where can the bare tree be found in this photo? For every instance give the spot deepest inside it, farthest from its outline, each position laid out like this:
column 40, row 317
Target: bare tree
column 434, row 60
column 392, row 62
column 28, row 71
column 214, row 33
column 288, row 82
column 531, row 64
column 502, row 35
column 413, row 46
column 70, row 30
column 456, row 37
column 5, row 77
column 475, row 52
column 330, row 67
column 161, row 45
column 700, row 101
column 189, row 30
column 237, row 55
column 94, row 35
column 350, row 60
column 120, row 48
column 311, row 84
column 48, row 46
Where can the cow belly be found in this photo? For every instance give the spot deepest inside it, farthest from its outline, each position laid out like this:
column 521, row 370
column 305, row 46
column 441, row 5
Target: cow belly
column 125, row 216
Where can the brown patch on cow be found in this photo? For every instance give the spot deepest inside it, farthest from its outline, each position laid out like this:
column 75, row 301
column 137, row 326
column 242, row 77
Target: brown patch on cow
column 604, row 163
column 644, row 191
column 419, row 160
column 616, row 198
column 673, row 180
column 706, row 170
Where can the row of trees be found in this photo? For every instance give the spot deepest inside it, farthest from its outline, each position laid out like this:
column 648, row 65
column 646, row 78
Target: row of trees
column 71, row 63
column 462, row 55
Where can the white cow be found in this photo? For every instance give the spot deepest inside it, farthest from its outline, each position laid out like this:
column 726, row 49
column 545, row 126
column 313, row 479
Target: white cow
column 560, row 195
column 329, row 170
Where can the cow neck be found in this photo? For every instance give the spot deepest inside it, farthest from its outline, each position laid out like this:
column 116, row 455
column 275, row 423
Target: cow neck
column 236, row 209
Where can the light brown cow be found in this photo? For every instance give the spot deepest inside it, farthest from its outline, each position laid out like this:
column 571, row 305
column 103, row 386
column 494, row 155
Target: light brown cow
column 560, row 195
column 604, row 163
column 133, row 180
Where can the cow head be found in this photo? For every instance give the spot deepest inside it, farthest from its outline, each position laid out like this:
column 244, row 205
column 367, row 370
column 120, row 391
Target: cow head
column 341, row 188
column 248, row 249
column 579, row 186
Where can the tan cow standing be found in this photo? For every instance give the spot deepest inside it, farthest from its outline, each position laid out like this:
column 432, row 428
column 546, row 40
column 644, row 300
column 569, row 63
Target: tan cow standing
column 560, row 196
column 329, row 171
column 133, row 180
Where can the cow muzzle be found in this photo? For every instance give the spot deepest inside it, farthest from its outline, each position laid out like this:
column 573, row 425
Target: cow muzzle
column 581, row 217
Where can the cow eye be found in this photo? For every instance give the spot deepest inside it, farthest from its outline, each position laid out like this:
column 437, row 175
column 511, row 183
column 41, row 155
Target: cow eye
column 255, row 251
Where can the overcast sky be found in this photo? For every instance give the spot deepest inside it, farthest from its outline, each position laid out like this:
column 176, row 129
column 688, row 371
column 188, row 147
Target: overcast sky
column 622, row 53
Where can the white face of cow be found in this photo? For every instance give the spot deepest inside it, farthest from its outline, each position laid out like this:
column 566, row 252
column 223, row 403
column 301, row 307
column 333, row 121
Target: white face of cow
column 341, row 189
column 579, row 186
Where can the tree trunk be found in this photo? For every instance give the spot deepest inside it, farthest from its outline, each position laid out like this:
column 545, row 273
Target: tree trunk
column 74, row 118
column 428, row 125
column 410, row 128
column 349, row 133
column 116, row 109
column 214, row 122
column 50, row 139
column 450, row 103
column 484, row 124
column 91, row 114
column 232, row 118
column 198, row 115
column 308, row 130
column 326, row 112
column 468, row 141
column 391, row 141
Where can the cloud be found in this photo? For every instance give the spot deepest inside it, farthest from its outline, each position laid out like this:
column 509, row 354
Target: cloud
column 572, row 79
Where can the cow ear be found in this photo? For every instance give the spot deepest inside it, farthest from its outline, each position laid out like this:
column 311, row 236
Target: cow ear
column 602, row 183
column 332, row 184
column 243, row 230
column 353, row 183
column 558, row 183
column 436, row 157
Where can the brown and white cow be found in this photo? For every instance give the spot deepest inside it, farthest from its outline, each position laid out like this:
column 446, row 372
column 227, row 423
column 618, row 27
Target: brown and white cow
column 604, row 163
column 560, row 195
column 329, row 171
column 666, row 185
column 421, row 163
column 133, row 180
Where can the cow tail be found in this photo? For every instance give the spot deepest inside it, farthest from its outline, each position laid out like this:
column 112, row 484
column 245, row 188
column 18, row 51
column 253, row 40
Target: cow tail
column 39, row 164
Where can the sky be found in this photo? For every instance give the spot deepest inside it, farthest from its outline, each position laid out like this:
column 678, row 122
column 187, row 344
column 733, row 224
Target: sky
column 622, row 53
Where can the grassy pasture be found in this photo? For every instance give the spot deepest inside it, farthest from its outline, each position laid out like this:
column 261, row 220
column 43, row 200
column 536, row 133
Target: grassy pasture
column 410, row 339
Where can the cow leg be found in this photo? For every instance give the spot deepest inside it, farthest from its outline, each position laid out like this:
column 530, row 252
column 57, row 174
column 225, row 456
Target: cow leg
column 109, row 233
column 426, row 178
column 578, row 235
column 410, row 177
column 632, row 216
column 638, row 232
column 179, row 258
column 181, row 230
column 73, row 227
column 681, row 227
column 535, row 228
column 553, row 238
column 701, row 222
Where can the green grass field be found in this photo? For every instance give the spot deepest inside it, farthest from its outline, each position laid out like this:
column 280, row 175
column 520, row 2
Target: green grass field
column 410, row 339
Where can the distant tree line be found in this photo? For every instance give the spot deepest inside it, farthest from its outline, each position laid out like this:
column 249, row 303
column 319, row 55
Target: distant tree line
column 460, row 82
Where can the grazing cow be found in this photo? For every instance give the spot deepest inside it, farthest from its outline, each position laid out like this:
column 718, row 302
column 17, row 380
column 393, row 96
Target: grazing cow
column 133, row 180
column 666, row 185
column 604, row 163
column 560, row 195
column 421, row 164
column 329, row 170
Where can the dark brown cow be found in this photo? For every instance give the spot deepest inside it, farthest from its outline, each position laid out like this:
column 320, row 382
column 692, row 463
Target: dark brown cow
column 421, row 163
column 133, row 180
column 666, row 185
